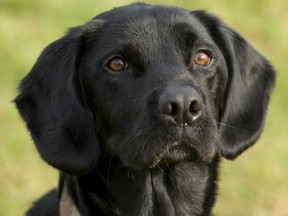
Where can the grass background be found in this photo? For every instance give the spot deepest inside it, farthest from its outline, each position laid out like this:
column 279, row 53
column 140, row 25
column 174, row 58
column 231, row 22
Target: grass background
column 255, row 184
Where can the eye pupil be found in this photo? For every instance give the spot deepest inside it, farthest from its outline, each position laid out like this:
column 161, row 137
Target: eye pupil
column 117, row 64
column 202, row 59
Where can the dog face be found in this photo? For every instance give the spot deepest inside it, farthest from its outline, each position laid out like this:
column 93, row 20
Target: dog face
column 150, row 85
column 144, row 66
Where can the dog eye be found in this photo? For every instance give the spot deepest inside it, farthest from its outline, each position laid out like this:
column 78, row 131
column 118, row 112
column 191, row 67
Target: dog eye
column 202, row 58
column 117, row 63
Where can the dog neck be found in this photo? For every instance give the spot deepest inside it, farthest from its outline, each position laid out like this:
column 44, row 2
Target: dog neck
column 171, row 190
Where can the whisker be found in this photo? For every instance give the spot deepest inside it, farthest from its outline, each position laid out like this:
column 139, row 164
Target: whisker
column 221, row 123
column 142, row 131
column 108, row 174
column 134, row 100
column 102, row 158
column 217, row 137
column 229, row 126
column 172, row 177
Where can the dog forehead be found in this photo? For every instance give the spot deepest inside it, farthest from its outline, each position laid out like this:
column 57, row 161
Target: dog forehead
column 144, row 25
column 142, row 18
column 136, row 11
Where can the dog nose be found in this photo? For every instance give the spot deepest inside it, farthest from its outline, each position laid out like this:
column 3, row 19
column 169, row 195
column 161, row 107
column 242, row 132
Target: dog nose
column 181, row 104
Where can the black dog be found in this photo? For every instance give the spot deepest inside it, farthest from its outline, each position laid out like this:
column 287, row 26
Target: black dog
column 136, row 107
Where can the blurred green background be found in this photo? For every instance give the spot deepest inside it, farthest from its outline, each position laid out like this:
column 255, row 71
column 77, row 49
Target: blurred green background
column 255, row 184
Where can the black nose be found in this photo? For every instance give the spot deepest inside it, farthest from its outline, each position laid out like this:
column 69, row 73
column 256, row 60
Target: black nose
column 181, row 104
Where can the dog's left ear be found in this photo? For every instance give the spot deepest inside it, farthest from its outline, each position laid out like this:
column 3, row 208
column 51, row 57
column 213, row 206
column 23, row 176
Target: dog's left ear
column 52, row 102
column 250, row 81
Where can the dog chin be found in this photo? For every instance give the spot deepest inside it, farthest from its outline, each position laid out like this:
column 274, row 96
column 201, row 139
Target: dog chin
column 178, row 152
column 183, row 152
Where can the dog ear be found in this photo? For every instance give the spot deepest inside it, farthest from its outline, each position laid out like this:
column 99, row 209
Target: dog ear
column 53, row 104
column 250, row 82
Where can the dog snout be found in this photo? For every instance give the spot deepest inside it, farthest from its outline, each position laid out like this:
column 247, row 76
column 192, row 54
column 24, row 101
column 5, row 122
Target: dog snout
column 181, row 104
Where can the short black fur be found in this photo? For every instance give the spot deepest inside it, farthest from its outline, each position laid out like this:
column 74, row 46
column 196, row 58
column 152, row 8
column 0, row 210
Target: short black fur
column 146, row 140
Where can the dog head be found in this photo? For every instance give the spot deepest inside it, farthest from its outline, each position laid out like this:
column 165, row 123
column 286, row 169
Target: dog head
column 148, row 85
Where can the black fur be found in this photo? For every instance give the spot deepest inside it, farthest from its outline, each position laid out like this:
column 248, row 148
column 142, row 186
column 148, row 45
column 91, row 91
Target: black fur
column 133, row 142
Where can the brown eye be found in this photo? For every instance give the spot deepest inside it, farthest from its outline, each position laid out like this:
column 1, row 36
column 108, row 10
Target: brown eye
column 202, row 58
column 117, row 63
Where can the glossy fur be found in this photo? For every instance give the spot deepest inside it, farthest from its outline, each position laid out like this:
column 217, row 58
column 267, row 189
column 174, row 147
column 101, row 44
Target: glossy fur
column 117, row 152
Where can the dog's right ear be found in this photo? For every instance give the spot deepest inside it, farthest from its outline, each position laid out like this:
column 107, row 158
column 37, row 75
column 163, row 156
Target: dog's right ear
column 52, row 102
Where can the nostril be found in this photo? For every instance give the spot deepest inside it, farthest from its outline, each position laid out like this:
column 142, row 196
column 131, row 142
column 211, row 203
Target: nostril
column 174, row 109
column 195, row 107
column 169, row 108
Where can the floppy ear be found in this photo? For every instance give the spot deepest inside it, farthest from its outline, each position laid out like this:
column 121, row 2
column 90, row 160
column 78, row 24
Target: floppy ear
column 53, row 104
column 250, row 82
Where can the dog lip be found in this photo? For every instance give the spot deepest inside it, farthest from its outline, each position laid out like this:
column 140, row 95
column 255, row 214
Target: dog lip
column 163, row 153
column 188, row 153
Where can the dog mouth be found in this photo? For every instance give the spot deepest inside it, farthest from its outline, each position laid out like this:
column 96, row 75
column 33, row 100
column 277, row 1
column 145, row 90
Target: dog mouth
column 160, row 146
column 169, row 154
column 180, row 151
